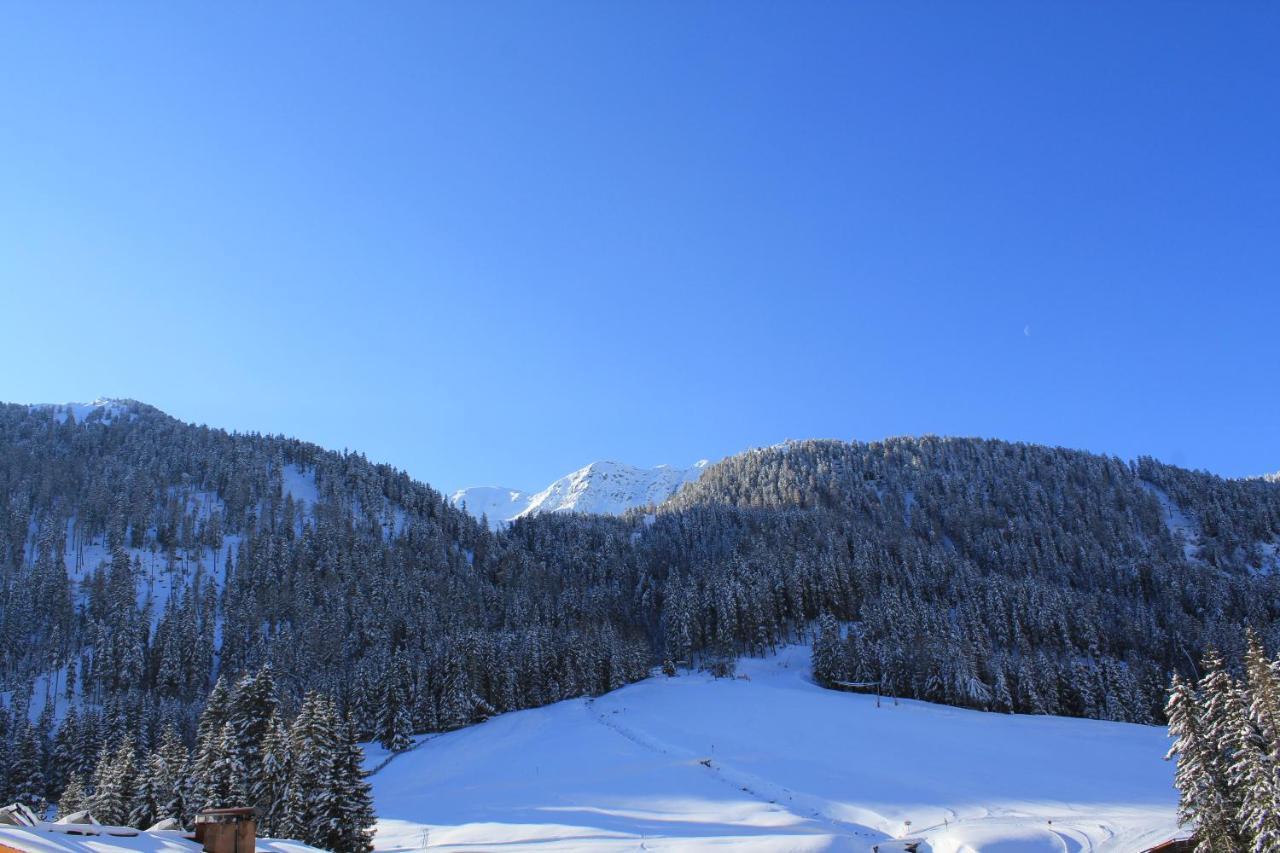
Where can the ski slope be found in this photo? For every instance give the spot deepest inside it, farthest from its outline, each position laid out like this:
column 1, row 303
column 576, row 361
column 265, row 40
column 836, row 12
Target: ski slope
column 771, row 762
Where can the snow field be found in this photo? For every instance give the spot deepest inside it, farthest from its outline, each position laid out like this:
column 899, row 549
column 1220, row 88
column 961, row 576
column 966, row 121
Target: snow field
column 769, row 761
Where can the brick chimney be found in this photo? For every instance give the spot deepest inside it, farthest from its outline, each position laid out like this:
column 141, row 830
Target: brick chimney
column 227, row 830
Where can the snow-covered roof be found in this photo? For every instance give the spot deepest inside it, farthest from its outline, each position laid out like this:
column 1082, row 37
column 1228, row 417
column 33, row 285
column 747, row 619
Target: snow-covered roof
column 95, row 838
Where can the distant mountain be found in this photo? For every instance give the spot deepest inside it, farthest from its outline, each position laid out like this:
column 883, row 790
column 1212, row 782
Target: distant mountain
column 604, row 488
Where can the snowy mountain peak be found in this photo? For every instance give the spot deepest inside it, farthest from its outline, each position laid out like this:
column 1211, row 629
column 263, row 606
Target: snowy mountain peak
column 496, row 503
column 105, row 409
column 606, row 487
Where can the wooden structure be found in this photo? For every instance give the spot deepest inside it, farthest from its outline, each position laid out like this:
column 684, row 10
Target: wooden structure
column 217, row 831
column 227, row 830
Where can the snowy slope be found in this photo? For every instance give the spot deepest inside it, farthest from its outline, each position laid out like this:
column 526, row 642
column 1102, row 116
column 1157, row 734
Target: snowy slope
column 609, row 488
column 104, row 408
column 1185, row 532
column 769, row 761
column 496, row 503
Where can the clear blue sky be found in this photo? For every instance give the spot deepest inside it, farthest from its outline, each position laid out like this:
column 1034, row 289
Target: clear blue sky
column 491, row 242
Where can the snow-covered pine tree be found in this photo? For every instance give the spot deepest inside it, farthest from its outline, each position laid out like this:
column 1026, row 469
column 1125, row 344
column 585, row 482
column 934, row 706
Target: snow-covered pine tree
column 308, row 802
column 26, row 772
column 113, row 785
column 395, row 729
column 828, row 648
column 145, row 806
column 352, row 797
column 251, row 710
column 172, row 765
column 74, row 798
column 1252, row 774
column 1226, row 774
column 204, row 789
column 1256, row 770
column 1190, row 750
column 1263, row 679
column 160, row 792
column 64, row 749
column 226, row 783
column 273, row 782
column 1223, row 718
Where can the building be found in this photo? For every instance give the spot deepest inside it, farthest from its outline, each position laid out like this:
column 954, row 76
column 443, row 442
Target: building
column 217, row 831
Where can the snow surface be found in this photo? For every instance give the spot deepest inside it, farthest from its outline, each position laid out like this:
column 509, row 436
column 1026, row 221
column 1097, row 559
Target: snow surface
column 46, row 838
column 496, row 503
column 109, row 409
column 608, row 488
column 769, row 761
column 1185, row 532
column 301, row 485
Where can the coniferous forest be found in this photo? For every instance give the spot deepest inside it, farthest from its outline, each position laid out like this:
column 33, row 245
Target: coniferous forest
column 1227, row 731
column 190, row 616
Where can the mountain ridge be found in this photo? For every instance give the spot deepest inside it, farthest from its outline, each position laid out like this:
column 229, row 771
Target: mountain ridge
column 604, row 487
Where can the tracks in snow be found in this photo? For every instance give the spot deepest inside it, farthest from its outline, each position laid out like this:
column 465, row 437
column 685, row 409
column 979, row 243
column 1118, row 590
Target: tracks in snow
column 776, row 796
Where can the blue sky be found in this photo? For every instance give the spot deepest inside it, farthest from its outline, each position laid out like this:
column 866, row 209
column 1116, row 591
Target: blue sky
column 491, row 242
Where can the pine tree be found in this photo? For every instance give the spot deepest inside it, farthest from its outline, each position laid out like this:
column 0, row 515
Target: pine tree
column 1264, row 688
column 113, row 785
column 73, row 797
column 161, row 788
column 273, row 782
column 1223, row 718
column 353, row 803
column 171, row 763
column 1191, row 777
column 1226, row 774
column 250, row 713
column 26, row 774
column 225, row 782
column 827, row 647
column 206, row 789
column 1254, row 777
column 395, row 728
column 308, row 802
column 1256, row 771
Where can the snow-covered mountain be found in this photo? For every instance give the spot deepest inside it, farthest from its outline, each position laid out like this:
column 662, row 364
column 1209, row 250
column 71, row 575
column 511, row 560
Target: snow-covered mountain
column 607, row 488
column 770, row 762
column 103, row 408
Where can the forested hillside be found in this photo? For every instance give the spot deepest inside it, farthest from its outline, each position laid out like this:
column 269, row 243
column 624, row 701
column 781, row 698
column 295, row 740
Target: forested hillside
column 985, row 573
column 142, row 558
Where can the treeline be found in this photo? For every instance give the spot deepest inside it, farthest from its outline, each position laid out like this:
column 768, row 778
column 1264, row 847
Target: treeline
column 1227, row 730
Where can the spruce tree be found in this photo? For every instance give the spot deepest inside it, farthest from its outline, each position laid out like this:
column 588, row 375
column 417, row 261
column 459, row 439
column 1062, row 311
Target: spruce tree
column 309, row 810
column 113, row 786
column 273, row 782
column 395, row 728
column 251, row 710
column 26, row 773
column 353, row 802
column 1223, row 719
column 207, row 789
column 74, row 798
column 828, row 665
